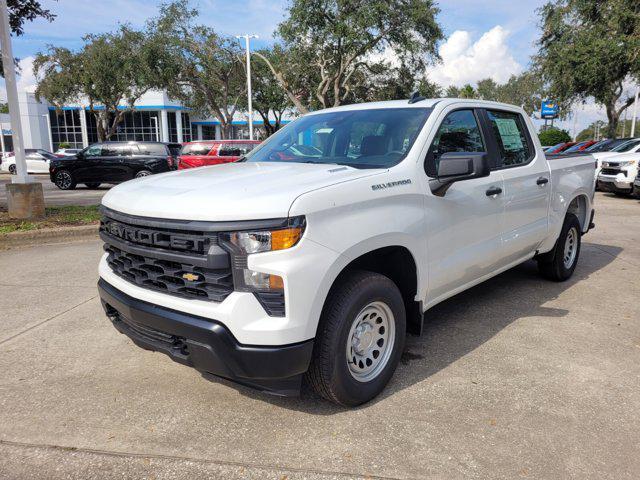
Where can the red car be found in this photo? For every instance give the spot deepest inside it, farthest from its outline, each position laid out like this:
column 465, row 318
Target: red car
column 561, row 147
column 213, row 152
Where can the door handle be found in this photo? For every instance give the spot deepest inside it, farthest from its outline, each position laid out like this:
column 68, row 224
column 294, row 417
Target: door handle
column 542, row 181
column 494, row 191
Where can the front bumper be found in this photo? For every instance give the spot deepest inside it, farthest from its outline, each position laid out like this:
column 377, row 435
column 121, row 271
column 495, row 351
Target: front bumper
column 617, row 183
column 206, row 345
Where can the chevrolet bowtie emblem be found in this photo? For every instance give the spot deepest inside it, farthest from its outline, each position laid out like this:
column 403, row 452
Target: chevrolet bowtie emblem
column 191, row 277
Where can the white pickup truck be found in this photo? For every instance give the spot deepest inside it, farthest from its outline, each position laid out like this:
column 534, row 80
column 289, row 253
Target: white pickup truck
column 311, row 258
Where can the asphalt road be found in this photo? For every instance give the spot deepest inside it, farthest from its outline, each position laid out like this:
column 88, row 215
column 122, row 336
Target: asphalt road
column 516, row 378
column 53, row 196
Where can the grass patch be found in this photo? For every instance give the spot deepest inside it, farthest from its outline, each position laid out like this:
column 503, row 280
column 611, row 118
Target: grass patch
column 54, row 217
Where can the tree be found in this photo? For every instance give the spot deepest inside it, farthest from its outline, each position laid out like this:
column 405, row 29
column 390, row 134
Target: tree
column 590, row 48
column 553, row 136
column 111, row 71
column 204, row 70
column 21, row 11
column 338, row 39
column 269, row 100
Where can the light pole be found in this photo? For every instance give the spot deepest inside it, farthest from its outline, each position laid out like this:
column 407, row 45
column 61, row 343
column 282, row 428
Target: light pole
column 635, row 111
column 247, row 39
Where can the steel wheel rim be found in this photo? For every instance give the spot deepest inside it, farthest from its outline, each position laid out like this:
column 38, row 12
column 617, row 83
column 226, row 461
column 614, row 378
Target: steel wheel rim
column 12, row 169
column 570, row 248
column 64, row 179
column 370, row 341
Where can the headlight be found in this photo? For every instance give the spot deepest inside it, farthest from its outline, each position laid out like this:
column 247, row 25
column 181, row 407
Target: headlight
column 241, row 244
column 628, row 163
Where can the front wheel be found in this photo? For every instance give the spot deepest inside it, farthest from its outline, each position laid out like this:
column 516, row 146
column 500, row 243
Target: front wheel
column 64, row 180
column 559, row 263
column 360, row 339
column 12, row 169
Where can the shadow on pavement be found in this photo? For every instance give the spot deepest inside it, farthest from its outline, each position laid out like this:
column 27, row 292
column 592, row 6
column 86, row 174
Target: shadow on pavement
column 462, row 323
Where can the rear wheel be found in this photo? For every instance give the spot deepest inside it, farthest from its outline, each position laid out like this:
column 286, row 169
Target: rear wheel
column 12, row 169
column 93, row 185
column 143, row 173
column 360, row 339
column 560, row 262
column 64, row 180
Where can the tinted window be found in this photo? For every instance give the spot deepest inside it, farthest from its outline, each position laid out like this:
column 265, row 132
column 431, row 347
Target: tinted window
column 510, row 132
column 174, row 148
column 152, row 149
column 459, row 132
column 332, row 138
column 115, row 150
column 196, row 149
column 625, row 147
column 230, row 150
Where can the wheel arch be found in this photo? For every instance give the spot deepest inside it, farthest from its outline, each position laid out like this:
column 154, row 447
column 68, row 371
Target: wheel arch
column 393, row 260
column 580, row 207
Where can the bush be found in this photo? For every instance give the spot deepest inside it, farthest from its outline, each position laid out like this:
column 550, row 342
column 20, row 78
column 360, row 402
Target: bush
column 64, row 145
column 553, row 136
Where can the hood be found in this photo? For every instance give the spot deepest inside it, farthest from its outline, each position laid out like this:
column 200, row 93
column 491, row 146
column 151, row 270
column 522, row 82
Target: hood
column 227, row 192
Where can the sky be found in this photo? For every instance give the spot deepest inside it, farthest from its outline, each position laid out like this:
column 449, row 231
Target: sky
column 488, row 38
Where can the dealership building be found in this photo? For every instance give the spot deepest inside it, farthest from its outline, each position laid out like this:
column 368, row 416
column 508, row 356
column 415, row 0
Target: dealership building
column 154, row 117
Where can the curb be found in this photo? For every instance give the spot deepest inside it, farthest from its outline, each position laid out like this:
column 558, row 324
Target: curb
column 48, row 235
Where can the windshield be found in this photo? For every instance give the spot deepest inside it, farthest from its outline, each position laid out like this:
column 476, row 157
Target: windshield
column 625, row 147
column 377, row 138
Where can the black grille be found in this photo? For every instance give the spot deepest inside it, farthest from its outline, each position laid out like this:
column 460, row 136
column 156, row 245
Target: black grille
column 272, row 302
column 175, row 278
column 611, row 171
column 165, row 258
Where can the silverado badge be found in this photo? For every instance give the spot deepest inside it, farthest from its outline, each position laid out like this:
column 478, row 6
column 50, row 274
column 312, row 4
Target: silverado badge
column 191, row 277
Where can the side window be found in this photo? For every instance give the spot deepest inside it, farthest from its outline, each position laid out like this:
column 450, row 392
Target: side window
column 230, row 150
column 93, row 151
column 111, row 150
column 510, row 132
column 459, row 132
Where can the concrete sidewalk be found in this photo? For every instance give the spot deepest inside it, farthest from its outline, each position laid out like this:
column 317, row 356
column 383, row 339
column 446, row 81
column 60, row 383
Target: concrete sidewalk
column 516, row 378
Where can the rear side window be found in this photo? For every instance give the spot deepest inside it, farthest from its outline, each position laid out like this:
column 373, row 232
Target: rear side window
column 196, row 149
column 459, row 132
column 116, row 150
column 158, row 149
column 514, row 146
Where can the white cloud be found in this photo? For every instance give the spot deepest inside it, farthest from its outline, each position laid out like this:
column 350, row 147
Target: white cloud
column 26, row 78
column 465, row 61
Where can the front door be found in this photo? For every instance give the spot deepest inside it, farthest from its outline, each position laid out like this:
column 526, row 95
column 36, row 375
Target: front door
column 527, row 185
column 88, row 164
column 463, row 226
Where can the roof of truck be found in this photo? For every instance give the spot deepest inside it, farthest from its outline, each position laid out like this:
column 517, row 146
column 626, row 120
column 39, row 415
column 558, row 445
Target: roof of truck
column 426, row 103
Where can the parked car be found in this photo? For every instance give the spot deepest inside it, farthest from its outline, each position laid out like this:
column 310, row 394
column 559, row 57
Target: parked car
column 618, row 173
column 626, row 146
column 67, row 152
column 559, row 148
column 607, row 145
column 112, row 162
column 580, row 146
column 213, row 152
column 38, row 161
column 267, row 270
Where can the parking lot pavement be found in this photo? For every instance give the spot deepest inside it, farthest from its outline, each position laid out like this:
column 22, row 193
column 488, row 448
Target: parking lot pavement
column 53, row 196
column 516, row 378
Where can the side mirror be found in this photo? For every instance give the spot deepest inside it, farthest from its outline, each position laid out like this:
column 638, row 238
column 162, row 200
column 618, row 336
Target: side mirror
column 458, row 166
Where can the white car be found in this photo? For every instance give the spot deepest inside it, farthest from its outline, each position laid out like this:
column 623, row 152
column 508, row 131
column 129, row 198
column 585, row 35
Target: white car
column 630, row 146
column 38, row 161
column 618, row 173
column 287, row 265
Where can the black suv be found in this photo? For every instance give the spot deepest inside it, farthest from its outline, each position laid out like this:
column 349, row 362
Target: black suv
column 113, row 162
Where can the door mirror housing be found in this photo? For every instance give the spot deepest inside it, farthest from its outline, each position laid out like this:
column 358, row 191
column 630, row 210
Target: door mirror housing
column 458, row 166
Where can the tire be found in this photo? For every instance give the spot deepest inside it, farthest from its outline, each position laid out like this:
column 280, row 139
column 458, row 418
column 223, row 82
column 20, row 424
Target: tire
column 143, row 173
column 364, row 314
column 12, row 169
column 559, row 263
column 64, row 180
column 93, row 185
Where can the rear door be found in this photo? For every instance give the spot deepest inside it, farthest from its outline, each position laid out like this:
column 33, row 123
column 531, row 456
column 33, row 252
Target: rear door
column 464, row 235
column 527, row 184
column 113, row 168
